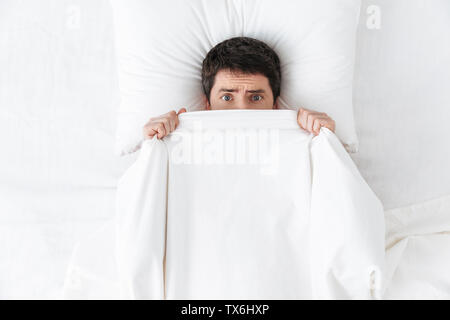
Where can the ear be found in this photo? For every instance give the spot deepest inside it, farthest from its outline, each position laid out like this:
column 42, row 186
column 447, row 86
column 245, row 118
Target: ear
column 276, row 106
column 206, row 102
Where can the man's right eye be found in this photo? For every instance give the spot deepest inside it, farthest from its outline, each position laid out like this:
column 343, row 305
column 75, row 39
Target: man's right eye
column 226, row 97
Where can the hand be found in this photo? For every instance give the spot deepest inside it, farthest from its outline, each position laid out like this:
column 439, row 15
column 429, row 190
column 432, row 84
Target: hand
column 163, row 125
column 312, row 121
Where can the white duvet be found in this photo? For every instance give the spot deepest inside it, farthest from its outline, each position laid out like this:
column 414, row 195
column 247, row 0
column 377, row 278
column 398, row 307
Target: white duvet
column 244, row 204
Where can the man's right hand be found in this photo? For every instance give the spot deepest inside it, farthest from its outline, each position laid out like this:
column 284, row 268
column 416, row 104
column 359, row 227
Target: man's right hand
column 163, row 125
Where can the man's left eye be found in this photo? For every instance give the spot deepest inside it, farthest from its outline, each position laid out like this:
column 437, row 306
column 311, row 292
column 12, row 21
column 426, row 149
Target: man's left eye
column 257, row 98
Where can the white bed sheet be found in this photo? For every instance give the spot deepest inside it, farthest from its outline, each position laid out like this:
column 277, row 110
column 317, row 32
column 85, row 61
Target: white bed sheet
column 401, row 99
column 57, row 170
column 417, row 259
column 58, row 98
column 418, row 251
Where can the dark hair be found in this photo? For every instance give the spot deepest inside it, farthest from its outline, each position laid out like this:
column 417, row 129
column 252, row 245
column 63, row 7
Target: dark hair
column 245, row 55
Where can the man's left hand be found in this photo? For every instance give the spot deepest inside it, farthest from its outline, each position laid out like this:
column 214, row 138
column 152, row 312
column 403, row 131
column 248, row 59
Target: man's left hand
column 312, row 121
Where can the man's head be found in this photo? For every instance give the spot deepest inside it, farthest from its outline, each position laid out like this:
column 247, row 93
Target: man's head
column 241, row 73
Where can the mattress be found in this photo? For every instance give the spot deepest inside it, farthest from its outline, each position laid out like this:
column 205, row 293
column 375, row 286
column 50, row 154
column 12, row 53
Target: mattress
column 58, row 97
column 400, row 98
column 58, row 173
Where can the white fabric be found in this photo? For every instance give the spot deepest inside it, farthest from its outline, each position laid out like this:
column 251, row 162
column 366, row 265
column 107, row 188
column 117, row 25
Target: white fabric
column 401, row 99
column 58, row 173
column 417, row 261
column 160, row 52
column 418, row 251
column 290, row 219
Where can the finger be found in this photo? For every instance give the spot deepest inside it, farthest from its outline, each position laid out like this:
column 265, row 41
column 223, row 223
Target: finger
column 316, row 126
column 305, row 110
column 173, row 123
column 146, row 131
column 331, row 124
column 166, row 124
column 171, row 117
column 305, row 116
column 161, row 130
column 174, row 118
column 152, row 133
column 149, row 132
column 170, row 113
column 310, row 122
column 177, row 120
column 328, row 123
column 169, row 122
column 302, row 117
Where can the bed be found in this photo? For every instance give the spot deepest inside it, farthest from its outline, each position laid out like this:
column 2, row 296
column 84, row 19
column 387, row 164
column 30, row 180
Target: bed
column 58, row 172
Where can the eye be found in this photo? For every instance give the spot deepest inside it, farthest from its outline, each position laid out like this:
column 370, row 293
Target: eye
column 226, row 97
column 257, row 98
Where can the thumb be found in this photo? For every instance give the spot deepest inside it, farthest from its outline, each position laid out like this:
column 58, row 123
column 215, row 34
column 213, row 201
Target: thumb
column 182, row 110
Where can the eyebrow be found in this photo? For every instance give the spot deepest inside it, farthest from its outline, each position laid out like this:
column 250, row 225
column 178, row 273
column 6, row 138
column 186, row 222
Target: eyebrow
column 249, row 91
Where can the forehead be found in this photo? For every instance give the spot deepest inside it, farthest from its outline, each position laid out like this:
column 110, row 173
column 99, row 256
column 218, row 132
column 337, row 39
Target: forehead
column 226, row 77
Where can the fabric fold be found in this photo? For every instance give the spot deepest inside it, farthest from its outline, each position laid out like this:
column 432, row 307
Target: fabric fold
column 346, row 227
column 140, row 223
column 246, row 205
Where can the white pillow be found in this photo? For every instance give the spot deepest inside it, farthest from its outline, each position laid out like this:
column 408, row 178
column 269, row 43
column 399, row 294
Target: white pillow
column 161, row 46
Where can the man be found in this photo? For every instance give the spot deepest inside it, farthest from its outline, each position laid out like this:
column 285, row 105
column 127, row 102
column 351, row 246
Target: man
column 240, row 73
